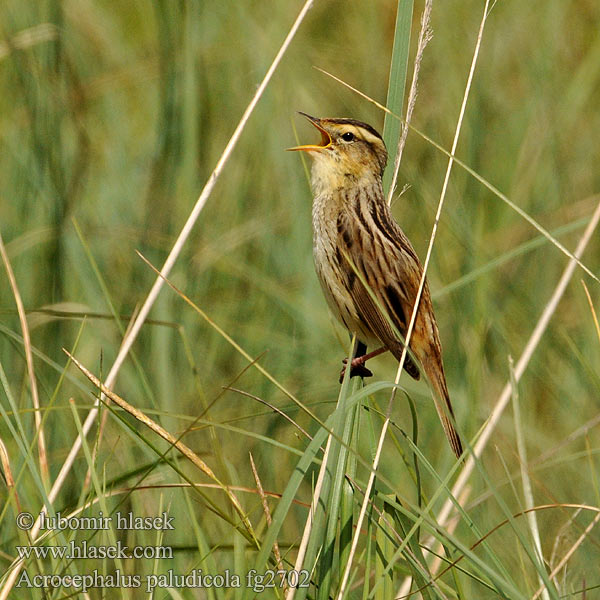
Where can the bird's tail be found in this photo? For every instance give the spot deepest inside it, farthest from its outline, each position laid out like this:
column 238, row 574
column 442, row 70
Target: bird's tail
column 441, row 397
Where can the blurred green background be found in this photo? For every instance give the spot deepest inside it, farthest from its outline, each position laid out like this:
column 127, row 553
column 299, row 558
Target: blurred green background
column 113, row 115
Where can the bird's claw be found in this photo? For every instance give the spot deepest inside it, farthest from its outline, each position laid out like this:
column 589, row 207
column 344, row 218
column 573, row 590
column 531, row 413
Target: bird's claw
column 356, row 370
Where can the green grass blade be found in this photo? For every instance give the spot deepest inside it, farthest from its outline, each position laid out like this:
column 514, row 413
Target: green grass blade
column 384, row 551
column 397, row 83
column 340, row 456
column 288, row 496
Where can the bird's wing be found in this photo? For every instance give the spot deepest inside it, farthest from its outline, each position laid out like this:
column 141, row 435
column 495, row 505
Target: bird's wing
column 380, row 276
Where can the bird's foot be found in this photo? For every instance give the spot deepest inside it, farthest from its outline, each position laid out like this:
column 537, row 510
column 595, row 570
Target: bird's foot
column 357, row 368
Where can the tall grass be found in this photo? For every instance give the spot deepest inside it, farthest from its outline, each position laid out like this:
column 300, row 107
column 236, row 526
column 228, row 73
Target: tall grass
column 112, row 120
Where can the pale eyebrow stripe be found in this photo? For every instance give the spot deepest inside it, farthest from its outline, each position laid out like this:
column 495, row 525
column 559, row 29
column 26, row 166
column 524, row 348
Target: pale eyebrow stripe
column 369, row 137
column 362, row 133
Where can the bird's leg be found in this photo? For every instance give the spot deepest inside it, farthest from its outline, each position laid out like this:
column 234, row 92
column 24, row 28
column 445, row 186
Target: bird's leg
column 363, row 358
column 357, row 365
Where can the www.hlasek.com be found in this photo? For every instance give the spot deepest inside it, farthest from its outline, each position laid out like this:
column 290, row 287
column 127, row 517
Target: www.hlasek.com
column 83, row 550
column 257, row 582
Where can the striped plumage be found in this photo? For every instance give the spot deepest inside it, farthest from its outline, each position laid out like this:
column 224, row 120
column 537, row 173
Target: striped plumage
column 357, row 241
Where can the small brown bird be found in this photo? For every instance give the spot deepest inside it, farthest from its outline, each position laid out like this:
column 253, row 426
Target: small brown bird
column 368, row 269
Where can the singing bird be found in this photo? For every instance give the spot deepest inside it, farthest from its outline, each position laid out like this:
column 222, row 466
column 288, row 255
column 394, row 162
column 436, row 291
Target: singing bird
column 367, row 267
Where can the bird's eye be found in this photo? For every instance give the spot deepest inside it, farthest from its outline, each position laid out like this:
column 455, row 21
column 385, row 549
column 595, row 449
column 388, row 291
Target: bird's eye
column 348, row 136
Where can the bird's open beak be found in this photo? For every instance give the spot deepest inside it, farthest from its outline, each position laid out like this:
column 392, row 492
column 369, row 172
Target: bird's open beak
column 325, row 137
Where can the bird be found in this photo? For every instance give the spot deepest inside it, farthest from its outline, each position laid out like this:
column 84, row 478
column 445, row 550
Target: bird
column 368, row 269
